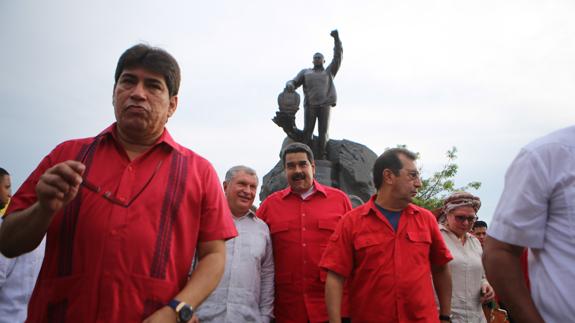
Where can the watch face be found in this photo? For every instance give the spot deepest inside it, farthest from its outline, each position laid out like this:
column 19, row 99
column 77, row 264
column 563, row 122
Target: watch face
column 186, row 314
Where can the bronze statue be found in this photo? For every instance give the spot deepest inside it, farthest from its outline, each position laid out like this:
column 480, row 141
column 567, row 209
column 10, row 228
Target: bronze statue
column 319, row 97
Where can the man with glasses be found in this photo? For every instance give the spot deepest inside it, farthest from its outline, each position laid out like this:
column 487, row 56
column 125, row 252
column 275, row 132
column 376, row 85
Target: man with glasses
column 124, row 212
column 389, row 250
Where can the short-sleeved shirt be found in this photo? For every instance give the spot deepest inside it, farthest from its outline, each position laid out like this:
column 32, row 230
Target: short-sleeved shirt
column 109, row 263
column 389, row 271
column 537, row 210
column 300, row 229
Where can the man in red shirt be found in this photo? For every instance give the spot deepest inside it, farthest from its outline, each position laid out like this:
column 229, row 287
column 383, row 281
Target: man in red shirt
column 301, row 218
column 124, row 212
column 389, row 250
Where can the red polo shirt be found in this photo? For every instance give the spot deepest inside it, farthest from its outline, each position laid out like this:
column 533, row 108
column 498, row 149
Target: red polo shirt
column 109, row 263
column 389, row 271
column 300, row 230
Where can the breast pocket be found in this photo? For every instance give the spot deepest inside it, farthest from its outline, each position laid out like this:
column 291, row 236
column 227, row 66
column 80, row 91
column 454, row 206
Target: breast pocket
column 419, row 243
column 369, row 251
column 279, row 228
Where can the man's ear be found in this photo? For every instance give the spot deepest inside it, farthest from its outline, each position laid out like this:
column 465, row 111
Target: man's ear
column 388, row 176
column 173, row 105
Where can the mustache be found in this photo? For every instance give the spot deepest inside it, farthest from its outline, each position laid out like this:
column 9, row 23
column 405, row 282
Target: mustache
column 298, row 176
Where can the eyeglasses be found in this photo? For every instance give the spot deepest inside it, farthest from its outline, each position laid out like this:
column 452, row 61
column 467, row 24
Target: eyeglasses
column 462, row 219
column 413, row 175
column 108, row 195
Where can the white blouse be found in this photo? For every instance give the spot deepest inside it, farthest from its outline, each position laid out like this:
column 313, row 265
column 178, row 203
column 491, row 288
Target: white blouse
column 467, row 276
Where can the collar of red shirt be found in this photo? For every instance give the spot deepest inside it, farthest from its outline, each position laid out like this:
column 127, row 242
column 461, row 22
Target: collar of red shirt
column 164, row 138
column 318, row 187
column 410, row 209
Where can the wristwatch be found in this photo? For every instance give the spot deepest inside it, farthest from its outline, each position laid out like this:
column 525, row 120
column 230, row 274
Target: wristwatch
column 184, row 312
column 446, row 318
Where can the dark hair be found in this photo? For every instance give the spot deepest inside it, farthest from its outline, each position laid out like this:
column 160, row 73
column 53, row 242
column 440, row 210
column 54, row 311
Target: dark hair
column 479, row 224
column 3, row 172
column 153, row 59
column 389, row 160
column 297, row 147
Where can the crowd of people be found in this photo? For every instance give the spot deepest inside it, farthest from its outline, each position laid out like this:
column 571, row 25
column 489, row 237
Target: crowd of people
column 137, row 228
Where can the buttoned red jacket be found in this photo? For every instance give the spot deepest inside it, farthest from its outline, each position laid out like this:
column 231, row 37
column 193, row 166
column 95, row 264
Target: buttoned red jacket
column 109, row 263
column 300, row 230
column 389, row 271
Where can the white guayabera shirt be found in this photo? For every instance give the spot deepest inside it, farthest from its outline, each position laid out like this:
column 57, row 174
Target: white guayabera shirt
column 246, row 291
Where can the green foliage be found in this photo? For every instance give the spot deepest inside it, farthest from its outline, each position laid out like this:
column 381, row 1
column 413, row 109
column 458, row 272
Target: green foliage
column 437, row 187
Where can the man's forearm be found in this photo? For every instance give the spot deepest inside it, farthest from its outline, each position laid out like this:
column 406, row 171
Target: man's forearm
column 442, row 284
column 23, row 231
column 204, row 279
column 333, row 294
column 503, row 269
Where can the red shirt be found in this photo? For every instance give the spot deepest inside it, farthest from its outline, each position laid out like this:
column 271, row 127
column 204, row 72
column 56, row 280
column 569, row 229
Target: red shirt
column 108, row 263
column 300, row 230
column 389, row 271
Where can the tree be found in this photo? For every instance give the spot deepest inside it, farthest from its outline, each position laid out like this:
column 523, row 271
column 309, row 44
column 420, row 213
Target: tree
column 437, row 187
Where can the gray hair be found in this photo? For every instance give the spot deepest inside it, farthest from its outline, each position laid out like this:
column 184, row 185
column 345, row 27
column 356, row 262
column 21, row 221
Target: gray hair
column 240, row 168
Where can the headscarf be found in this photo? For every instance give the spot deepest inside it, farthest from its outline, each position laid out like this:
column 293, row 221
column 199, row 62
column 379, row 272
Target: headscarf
column 459, row 199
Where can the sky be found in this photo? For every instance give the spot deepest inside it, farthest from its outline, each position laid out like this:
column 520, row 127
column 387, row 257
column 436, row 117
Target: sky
column 484, row 76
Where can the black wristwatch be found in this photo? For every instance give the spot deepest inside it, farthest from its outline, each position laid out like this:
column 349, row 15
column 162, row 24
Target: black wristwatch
column 184, row 312
column 445, row 318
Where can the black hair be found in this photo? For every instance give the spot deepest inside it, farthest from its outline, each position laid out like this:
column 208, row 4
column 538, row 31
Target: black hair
column 389, row 160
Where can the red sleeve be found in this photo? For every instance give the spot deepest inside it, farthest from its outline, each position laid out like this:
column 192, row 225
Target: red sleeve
column 26, row 194
column 439, row 253
column 338, row 255
column 216, row 220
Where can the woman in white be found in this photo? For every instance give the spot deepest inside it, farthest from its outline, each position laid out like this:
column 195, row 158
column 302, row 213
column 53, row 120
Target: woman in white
column 470, row 288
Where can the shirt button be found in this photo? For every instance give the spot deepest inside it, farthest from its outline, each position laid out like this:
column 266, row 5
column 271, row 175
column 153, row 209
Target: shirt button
column 303, row 214
column 303, row 244
column 130, row 168
column 302, row 229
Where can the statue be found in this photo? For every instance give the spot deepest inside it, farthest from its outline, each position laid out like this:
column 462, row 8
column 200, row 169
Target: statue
column 319, row 97
column 343, row 164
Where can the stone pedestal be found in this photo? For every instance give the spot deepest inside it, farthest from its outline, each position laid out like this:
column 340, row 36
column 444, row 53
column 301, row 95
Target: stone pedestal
column 324, row 172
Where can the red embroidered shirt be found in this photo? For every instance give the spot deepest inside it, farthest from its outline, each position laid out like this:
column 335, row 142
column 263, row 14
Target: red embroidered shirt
column 108, row 263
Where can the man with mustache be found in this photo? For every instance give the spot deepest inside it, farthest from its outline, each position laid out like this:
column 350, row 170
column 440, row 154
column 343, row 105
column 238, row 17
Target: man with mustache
column 246, row 292
column 389, row 250
column 123, row 212
column 301, row 218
